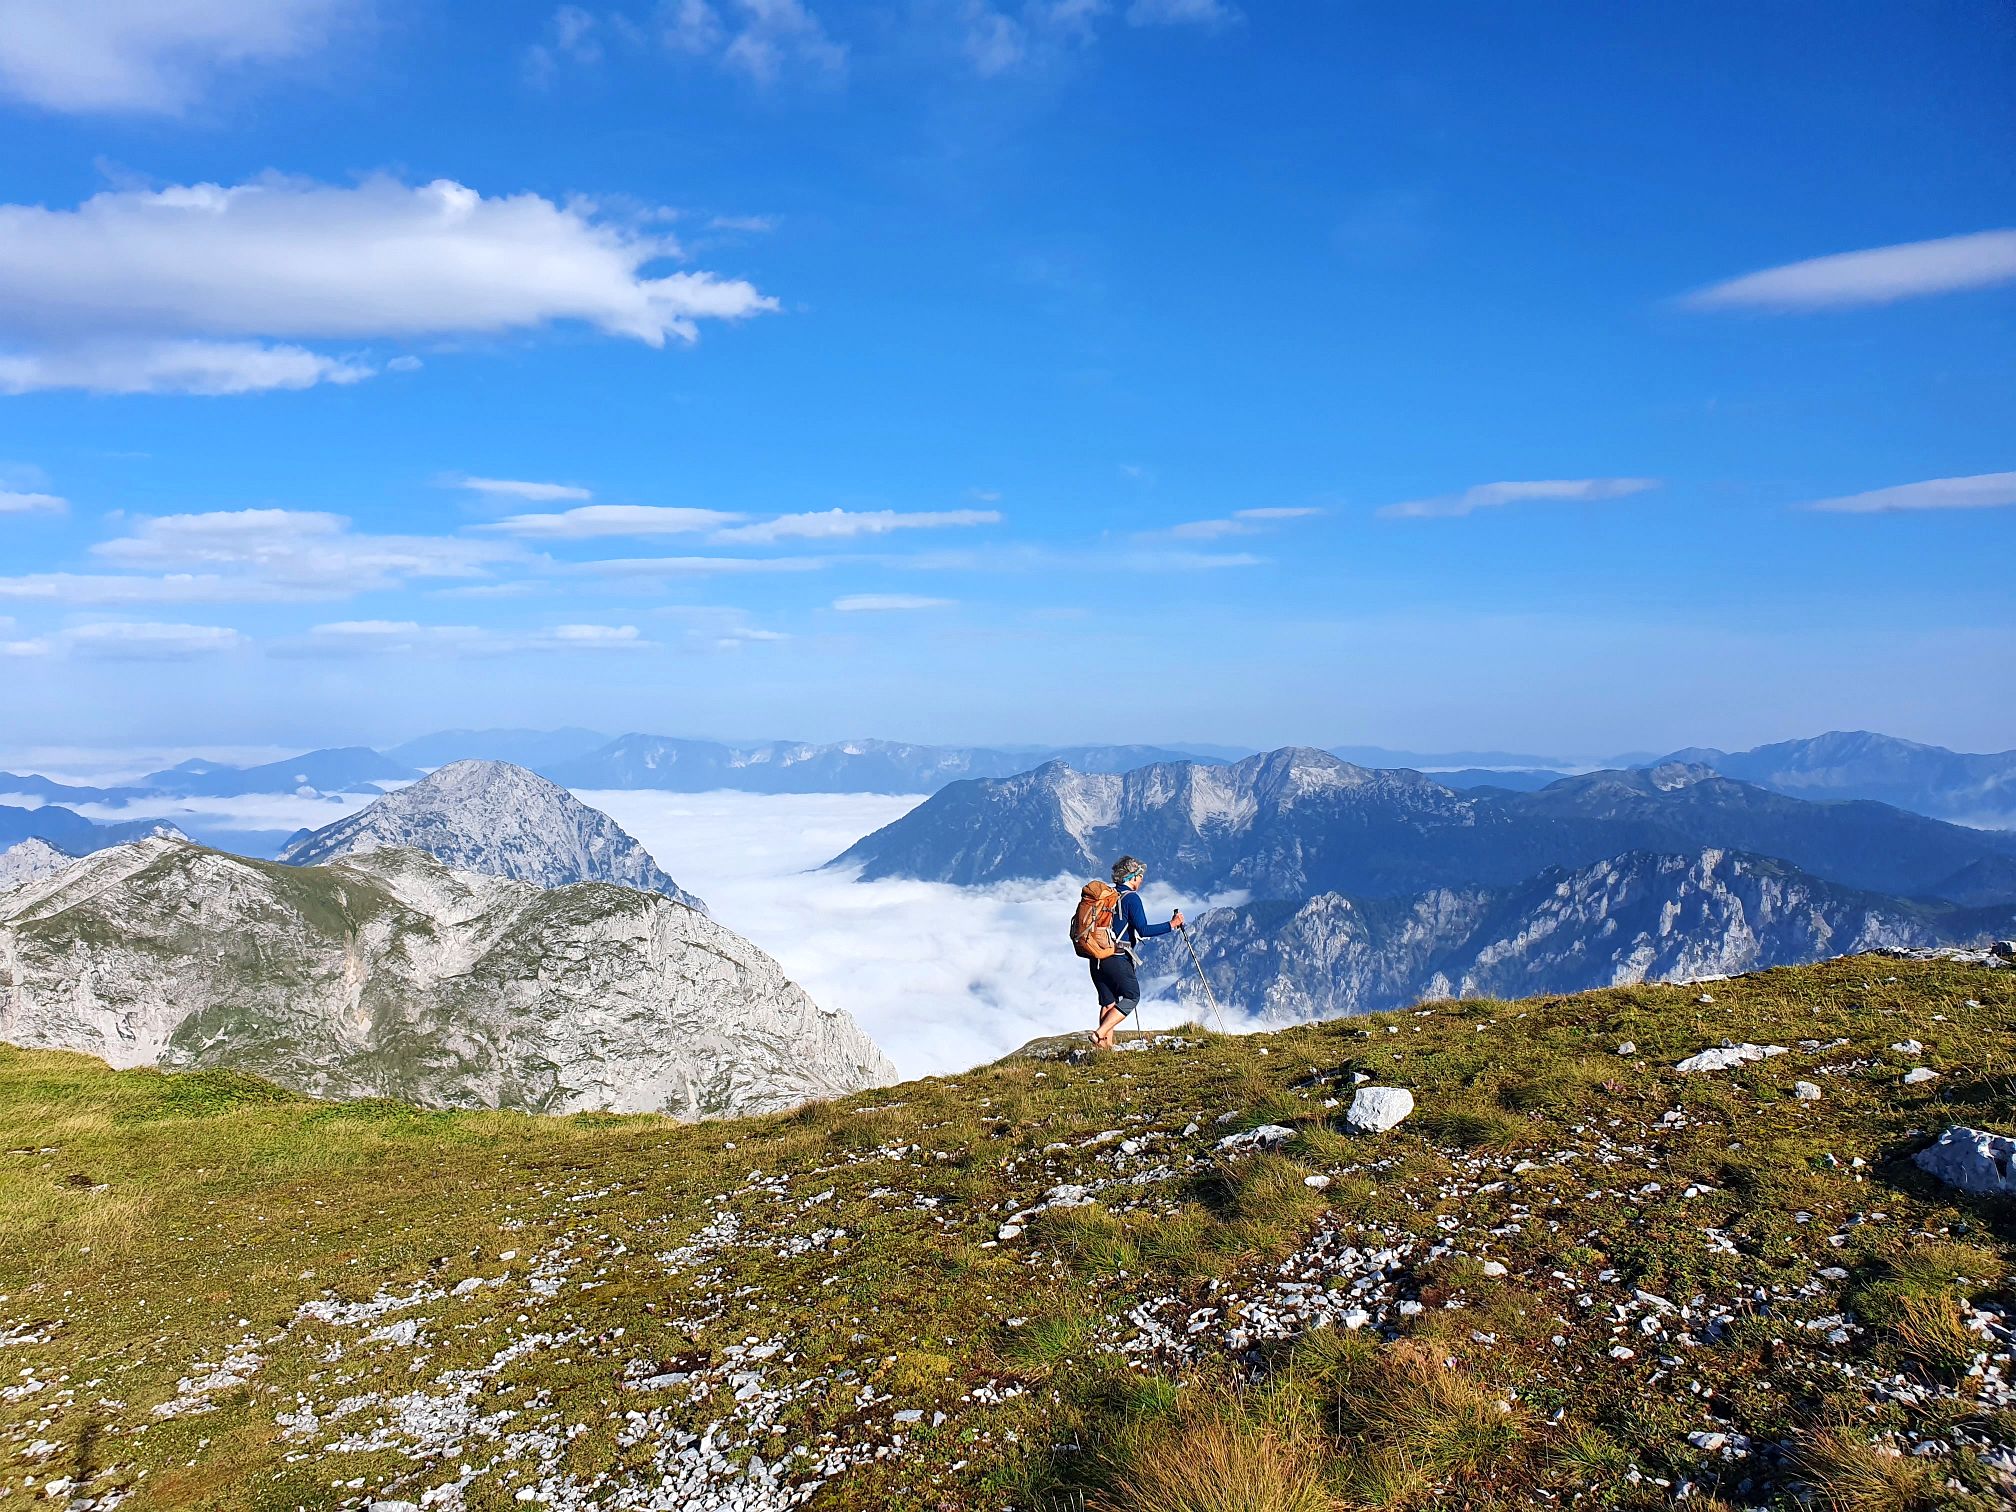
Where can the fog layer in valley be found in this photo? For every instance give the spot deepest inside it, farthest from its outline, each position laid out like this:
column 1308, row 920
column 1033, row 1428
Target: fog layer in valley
column 942, row 978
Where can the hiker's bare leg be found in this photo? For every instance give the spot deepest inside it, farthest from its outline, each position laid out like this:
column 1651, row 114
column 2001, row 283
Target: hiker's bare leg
column 1110, row 1018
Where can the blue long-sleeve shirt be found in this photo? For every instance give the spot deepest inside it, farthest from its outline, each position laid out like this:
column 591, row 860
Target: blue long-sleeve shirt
column 1134, row 923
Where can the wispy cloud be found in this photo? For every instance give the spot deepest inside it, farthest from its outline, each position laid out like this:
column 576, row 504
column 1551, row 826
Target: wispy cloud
column 257, row 556
column 409, row 638
column 203, row 288
column 1983, row 491
column 1879, row 275
column 596, row 521
column 873, row 603
column 29, row 503
column 760, row 39
column 141, row 56
column 517, row 488
column 840, row 524
column 120, row 641
column 700, row 566
column 1180, row 13
column 1240, row 522
column 1498, row 495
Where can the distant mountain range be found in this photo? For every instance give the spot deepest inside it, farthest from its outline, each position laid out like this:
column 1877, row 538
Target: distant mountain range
column 1297, row 822
column 853, row 766
column 1632, row 918
column 390, row 975
column 1926, row 779
column 497, row 819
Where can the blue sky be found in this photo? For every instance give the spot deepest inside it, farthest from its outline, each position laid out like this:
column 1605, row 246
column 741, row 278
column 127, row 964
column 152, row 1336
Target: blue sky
column 1155, row 369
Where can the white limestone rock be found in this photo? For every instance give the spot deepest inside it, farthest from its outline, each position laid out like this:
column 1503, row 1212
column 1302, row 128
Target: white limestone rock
column 497, row 819
column 30, row 861
column 1374, row 1110
column 389, row 975
column 1973, row 1160
column 1266, row 1137
column 1806, row 1091
column 1727, row 1057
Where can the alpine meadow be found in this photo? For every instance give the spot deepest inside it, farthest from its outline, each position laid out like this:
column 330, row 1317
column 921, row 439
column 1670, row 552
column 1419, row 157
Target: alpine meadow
column 1007, row 756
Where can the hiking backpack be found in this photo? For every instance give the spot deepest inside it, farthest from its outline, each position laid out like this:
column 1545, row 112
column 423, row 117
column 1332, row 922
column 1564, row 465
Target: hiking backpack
column 1092, row 921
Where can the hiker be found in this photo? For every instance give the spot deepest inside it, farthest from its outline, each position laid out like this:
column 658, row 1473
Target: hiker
column 1124, row 923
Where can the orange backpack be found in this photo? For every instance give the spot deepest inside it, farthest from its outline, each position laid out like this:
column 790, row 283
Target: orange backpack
column 1092, row 920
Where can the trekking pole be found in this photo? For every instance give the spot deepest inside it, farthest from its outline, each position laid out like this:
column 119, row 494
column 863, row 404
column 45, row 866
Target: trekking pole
column 1209, row 996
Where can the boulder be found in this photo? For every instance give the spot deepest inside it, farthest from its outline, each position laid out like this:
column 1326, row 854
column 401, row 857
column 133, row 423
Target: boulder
column 1375, row 1109
column 1972, row 1160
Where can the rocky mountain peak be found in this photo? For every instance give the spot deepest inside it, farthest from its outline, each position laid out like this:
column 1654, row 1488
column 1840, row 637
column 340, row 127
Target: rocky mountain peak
column 500, row 820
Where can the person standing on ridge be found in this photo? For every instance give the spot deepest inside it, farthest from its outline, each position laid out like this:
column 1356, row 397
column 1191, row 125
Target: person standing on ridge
column 1114, row 976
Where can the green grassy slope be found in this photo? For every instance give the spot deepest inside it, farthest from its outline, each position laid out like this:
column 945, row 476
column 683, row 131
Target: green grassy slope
column 1568, row 1261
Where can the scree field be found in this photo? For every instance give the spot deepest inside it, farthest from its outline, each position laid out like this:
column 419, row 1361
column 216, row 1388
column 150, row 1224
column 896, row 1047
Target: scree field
column 1574, row 1276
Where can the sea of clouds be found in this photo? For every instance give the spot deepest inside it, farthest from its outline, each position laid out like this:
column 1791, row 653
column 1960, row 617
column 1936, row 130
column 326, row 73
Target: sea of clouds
column 942, row 978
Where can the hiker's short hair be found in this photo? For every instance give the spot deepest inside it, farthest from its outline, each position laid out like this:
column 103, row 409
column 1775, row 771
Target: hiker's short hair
column 1124, row 866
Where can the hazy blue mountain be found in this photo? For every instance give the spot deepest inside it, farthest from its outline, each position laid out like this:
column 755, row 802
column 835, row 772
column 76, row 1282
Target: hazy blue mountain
column 1297, row 821
column 348, row 769
column 1970, row 789
column 70, row 832
column 1631, row 918
column 497, row 819
column 28, row 785
column 1519, row 781
column 1381, row 756
column 782, row 766
column 526, row 748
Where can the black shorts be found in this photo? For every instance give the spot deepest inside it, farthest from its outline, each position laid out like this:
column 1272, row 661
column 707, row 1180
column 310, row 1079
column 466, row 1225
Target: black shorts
column 1115, row 982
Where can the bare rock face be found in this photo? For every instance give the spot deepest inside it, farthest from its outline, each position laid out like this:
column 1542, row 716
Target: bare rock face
column 388, row 974
column 31, row 860
column 500, row 820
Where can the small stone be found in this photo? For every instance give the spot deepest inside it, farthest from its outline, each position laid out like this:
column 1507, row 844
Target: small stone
column 1706, row 997
column 1908, row 1047
column 1263, row 1138
column 1710, row 1443
column 1726, row 1056
column 1493, row 1268
column 1629, row 1047
column 910, row 1415
column 1376, row 1109
column 1806, row 1091
column 1623, row 1352
column 1918, row 1075
column 1008, row 1231
column 1318, row 1181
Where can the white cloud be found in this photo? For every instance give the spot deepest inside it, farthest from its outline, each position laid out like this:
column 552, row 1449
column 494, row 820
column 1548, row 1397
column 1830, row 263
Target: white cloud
column 697, row 566
column 1180, row 13
column 148, row 55
column 870, row 603
column 516, row 488
column 837, row 524
column 853, row 945
column 304, row 550
column 28, row 503
column 1497, row 495
column 257, row 556
column 409, row 638
column 1879, row 275
column 183, row 289
column 759, row 39
column 598, row 520
column 174, row 367
column 147, row 642
column 1984, row 491
column 1241, row 522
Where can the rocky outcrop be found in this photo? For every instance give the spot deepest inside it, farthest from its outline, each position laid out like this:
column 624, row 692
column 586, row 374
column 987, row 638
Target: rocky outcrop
column 1973, row 1160
column 500, row 820
column 1634, row 918
column 30, row 861
column 388, row 974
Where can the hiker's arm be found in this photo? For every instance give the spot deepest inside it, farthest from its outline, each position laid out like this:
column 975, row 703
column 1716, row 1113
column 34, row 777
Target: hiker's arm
column 1137, row 916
